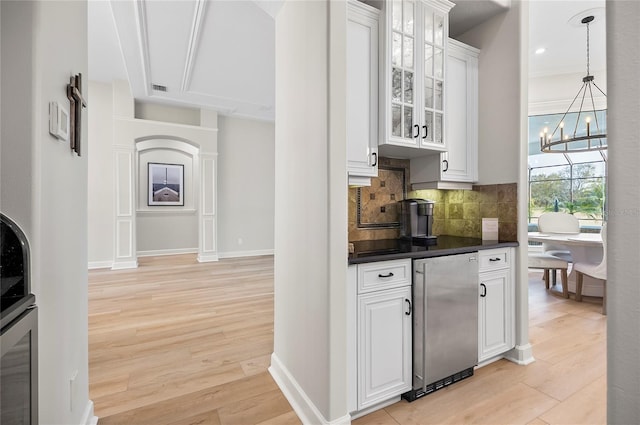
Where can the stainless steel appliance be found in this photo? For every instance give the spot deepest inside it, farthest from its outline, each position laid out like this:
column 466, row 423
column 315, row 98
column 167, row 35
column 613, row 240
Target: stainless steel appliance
column 416, row 219
column 15, row 284
column 19, row 370
column 18, row 330
column 445, row 321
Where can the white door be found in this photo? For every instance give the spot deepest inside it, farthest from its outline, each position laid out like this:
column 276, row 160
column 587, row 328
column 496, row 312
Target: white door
column 362, row 91
column 460, row 161
column 384, row 345
column 494, row 314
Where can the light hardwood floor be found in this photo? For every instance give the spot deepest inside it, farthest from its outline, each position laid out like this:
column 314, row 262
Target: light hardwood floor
column 176, row 342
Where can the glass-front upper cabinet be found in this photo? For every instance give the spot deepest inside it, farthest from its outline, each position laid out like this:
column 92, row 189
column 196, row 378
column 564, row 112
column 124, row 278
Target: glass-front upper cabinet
column 433, row 43
column 417, row 33
column 403, row 70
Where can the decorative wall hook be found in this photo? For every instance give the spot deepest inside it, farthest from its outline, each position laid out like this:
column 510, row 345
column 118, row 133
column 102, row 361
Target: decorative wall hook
column 76, row 103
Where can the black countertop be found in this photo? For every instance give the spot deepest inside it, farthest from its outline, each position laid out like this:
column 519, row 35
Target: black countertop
column 394, row 249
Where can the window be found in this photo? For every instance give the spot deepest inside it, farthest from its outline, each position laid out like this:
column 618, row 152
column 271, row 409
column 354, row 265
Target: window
column 569, row 182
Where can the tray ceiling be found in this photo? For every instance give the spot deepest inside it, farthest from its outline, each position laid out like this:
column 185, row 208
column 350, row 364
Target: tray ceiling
column 220, row 54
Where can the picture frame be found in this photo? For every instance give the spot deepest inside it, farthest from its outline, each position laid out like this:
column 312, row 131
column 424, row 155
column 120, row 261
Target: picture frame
column 165, row 184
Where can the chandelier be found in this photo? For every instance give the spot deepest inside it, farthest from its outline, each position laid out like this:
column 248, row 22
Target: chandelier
column 592, row 139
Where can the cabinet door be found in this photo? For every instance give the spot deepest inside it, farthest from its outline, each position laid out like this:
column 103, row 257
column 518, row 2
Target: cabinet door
column 362, row 90
column 460, row 163
column 384, row 345
column 416, row 34
column 401, row 106
column 495, row 311
column 433, row 38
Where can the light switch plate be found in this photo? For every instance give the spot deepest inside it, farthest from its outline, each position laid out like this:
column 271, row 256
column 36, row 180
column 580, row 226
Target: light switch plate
column 58, row 121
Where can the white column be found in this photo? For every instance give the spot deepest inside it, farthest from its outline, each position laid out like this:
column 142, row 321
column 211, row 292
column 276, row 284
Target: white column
column 207, row 218
column 125, row 256
column 623, row 230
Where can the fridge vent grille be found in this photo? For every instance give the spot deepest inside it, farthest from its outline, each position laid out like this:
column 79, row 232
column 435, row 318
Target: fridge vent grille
column 416, row 394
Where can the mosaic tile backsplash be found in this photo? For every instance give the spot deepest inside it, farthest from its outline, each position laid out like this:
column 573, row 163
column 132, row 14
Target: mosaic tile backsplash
column 377, row 205
column 382, row 189
column 456, row 212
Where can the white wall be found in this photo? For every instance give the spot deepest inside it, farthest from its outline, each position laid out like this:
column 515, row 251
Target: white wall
column 157, row 230
column 100, row 157
column 167, row 113
column 54, row 34
column 309, row 359
column 623, row 235
column 245, row 183
column 502, row 121
column 499, row 91
column 246, row 153
column 16, row 194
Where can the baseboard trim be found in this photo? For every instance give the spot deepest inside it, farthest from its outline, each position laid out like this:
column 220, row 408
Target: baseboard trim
column 207, row 258
column 88, row 418
column 161, row 252
column 238, row 254
column 371, row 409
column 521, row 354
column 490, row 360
column 307, row 412
column 121, row 265
column 100, row 265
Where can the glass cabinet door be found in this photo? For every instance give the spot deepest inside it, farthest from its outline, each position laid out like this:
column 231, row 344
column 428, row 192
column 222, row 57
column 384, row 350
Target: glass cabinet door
column 403, row 69
column 433, row 44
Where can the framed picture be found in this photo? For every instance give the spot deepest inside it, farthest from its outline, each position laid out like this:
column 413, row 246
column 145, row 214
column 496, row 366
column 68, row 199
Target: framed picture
column 166, row 184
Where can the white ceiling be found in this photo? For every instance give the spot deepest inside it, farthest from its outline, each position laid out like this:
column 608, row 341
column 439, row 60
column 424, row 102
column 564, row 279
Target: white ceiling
column 555, row 25
column 220, row 54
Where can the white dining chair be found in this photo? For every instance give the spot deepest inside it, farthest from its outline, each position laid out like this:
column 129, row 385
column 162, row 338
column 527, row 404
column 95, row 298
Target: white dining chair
column 557, row 222
column 597, row 271
column 548, row 262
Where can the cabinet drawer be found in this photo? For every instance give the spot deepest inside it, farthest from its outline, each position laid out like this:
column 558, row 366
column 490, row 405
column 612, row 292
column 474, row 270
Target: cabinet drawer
column 383, row 275
column 494, row 259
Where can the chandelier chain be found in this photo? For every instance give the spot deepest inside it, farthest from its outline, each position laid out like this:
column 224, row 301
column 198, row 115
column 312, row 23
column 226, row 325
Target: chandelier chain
column 588, row 48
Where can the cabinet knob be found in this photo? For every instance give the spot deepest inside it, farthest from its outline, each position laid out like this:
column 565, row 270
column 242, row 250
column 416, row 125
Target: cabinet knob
column 484, row 293
column 416, row 127
column 386, row 275
column 375, row 159
column 445, row 162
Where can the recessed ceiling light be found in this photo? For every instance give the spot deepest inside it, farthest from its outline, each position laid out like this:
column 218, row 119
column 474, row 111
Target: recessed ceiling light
column 540, row 51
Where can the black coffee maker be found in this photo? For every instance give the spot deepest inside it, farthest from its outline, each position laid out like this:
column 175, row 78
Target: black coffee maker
column 416, row 220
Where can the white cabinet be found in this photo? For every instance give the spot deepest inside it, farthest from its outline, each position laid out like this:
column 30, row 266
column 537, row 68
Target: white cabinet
column 460, row 163
column 380, row 322
column 384, row 345
column 362, row 92
column 416, row 36
column 496, row 309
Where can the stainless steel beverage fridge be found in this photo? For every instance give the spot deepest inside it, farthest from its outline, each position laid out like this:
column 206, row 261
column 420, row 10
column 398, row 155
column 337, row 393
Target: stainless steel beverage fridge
column 445, row 321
